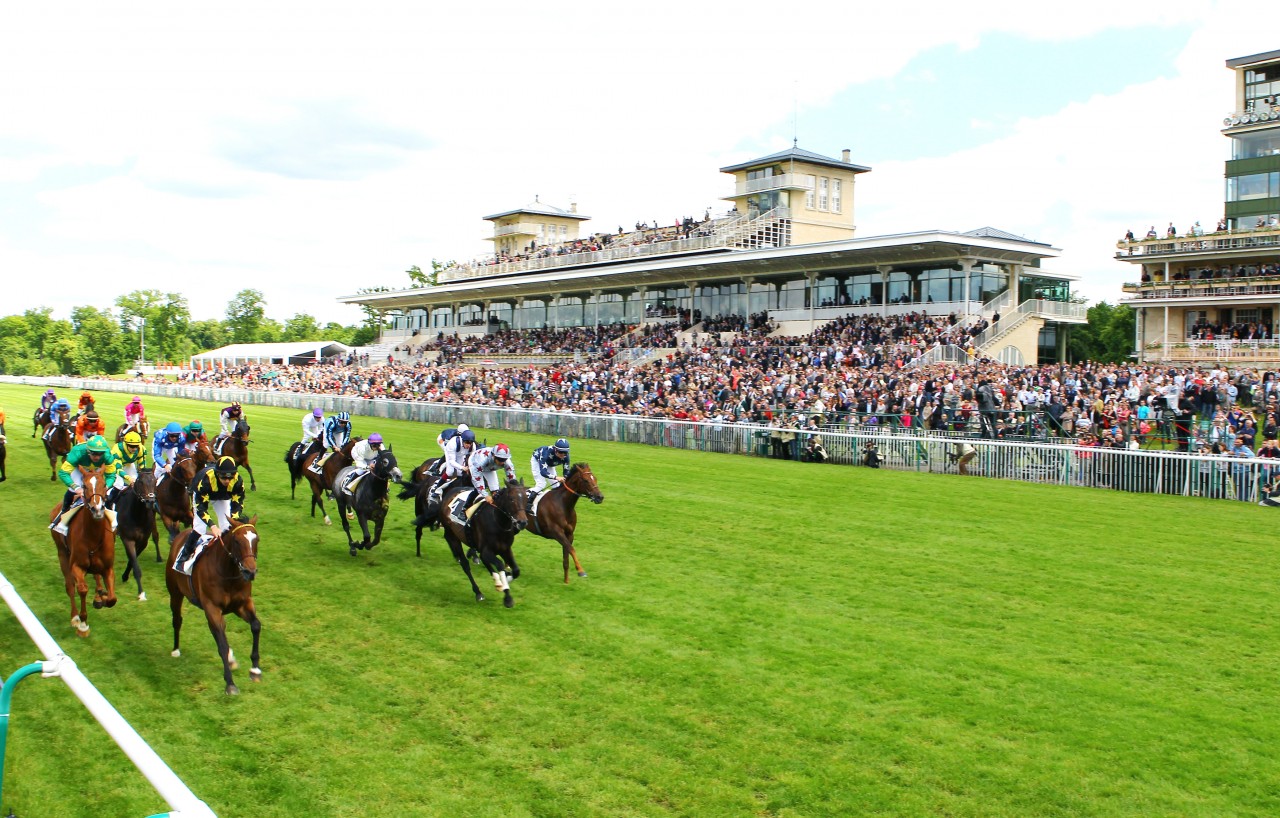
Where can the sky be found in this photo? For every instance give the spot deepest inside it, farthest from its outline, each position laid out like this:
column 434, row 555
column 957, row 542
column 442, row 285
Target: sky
column 310, row 149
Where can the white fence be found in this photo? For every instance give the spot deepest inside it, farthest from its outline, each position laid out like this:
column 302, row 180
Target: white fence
column 1054, row 463
column 58, row 664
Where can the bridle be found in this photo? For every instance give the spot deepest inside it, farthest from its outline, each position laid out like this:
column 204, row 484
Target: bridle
column 235, row 557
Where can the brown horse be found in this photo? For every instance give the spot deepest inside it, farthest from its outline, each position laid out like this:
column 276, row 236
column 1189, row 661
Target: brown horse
column 557, row 515
column 323, row 482
column 202, row 454
column 236, row 446
column 136, row 523
column 59, row 441
column 490, row 531
column 40, row 420
column 143, row 430
column 173, row 499
column 221, row 582
column 88, row 547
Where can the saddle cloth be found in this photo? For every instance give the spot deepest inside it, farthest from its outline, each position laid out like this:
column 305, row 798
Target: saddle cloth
column 184, row 568
column 462, row 500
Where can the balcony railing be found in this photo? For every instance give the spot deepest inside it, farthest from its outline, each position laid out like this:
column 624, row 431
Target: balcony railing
column 783, row 181
column 517, row 228
column 1206, row 288
column 1216, row 242
column 1259, row 113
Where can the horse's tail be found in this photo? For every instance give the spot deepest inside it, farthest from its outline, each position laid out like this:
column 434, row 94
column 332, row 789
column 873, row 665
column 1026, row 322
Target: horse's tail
column 408, row 491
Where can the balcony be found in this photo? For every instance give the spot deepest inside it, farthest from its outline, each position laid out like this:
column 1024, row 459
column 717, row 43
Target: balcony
column 516, row 229
column 785, row 181
column 1262, row 113
column 1261, row 285
column 1227, row 240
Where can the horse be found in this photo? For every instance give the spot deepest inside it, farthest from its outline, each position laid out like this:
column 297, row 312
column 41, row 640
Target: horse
column 221, row 582
column 557, row 517
column 58, row 443
column 4, row 444
column 490, row 531
column 173, row 498
column 294, row 457
column 143, row 430
column 88, row 547
column 202, row 453
column 323, row 482
column 236, row 446
column 136, row 523
column 40, row 420
column 370, row 499
column 419, row 490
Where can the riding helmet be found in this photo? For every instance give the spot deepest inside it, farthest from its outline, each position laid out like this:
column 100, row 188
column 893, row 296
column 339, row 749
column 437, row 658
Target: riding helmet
column 375, row 438
column 501, row 452
column 468, row 436
column 344, row 417
column 97, row 445
column 226, row 467
column 462, row 427
column 173, row 429
column 196, row 426
column 133, row 439
column 317, row 412
column 562, row 445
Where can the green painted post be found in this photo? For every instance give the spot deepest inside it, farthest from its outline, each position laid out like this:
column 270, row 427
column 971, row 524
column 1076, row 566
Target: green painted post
column 6, row 695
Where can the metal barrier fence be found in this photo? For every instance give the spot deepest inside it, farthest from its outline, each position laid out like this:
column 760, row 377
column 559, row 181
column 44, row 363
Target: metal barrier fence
column 57, row 664
column 902, row 449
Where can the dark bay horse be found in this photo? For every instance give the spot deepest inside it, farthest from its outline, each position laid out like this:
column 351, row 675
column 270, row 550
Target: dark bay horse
column 323, row 482
column 59, row 442
column 236, row 446
column 557, row 515
column 136, row 524
column 221, row 582
column 490, row 531
column 89, row 547
column 39, row 420
column 424, row 477
column 370, row 499
column 173, row 498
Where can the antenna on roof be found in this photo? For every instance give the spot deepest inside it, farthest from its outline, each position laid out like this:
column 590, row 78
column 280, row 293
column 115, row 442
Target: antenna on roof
column 795, row 113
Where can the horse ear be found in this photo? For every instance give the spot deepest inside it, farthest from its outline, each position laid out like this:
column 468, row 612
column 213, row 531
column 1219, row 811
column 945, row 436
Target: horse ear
column 253, row 520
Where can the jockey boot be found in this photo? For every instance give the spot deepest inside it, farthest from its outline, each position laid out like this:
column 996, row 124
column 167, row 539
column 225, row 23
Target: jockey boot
column 184, row 553
column 111, row 517
column 58, row 525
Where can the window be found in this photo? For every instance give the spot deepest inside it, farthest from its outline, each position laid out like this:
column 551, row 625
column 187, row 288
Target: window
column 822, row 192
column 835, row 196
column 811, row 182
column 1253, row 186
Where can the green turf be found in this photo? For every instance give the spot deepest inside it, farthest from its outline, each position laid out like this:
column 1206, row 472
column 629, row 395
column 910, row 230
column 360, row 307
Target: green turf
column 756, row 638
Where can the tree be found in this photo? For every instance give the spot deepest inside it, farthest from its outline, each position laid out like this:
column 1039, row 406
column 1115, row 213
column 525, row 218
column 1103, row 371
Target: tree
column 1108, row 337
column 245, row 315
column 207, row 334
column 302, row 327
column 102, row 348
column 167, row 319
column 421, row 279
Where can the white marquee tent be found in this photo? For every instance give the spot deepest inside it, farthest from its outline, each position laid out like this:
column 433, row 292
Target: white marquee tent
column 292, row 352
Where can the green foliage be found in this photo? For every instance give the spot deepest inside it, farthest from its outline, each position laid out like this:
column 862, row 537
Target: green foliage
column 302, row 327
column 920, row 645
column 167, row 318
column 1108, row 337
column 245, row 314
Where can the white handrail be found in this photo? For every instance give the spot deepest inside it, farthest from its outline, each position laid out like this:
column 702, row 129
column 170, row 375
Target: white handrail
column 56, row 663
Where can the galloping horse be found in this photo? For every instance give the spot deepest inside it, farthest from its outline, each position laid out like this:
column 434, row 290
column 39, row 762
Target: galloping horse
column 173, row 499
column 370, row 500
column 40, row 420
column 320, row 483
column 202, row 454
column 419, row 490
column 136, row 523
column 59, row 442
column 143, row 430
column 88, row 547
column 557, row 517
column 221, row 582
column 236, row 446
column 491, row 531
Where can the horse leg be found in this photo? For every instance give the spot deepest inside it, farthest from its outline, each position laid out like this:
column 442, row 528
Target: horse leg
column 346, row 527
column 133, row 567
column 252, row 485
column 364, row 529
column 455, row 545
column 566, row 547
column 175, row 606
column 80, row 622
column 318, row 500
column 249, row 614
column 218, row 627
column 377, row 531
column 498, row 570
column 155, row 538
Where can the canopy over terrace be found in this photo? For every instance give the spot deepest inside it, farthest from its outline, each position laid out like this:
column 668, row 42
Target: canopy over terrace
column 293, row 352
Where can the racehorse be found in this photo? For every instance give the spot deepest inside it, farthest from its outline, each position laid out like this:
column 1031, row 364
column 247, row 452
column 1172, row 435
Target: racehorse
column 143, row 430
column 490, row 531
column 557, row 517
column 419, row 490
column 320, row 483
column 202, row 454
column 294, row 457
column 59, row 442
column 88, row 547
column 221, row 582
column 173, row 498
column 370, row 499
column 40, row 420
column 136, row 523
column 236, row 446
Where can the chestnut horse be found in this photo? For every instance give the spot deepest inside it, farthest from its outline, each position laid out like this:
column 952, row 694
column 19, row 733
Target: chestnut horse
column 221, row 582
column 88, row 547
column 59, row 442
column 173, row 497
column 40, row 420
column 557, row 517
column 143, row 430
column 136, row 523
column 323, row 482
column 490, row 531
column 202, row 454
column 236, row 446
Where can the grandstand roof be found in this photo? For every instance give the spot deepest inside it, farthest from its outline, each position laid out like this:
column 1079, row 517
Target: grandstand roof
column 799, row 155
column 993, row 233
column 538, row 208
column 292, row 352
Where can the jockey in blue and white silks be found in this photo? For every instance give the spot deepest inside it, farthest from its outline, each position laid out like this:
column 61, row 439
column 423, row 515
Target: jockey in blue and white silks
column 337, row 431
column 457, row 449
column 166, row 448
column 544, row 461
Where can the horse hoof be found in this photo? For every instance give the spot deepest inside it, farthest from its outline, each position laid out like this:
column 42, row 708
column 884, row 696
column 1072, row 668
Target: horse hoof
column 508, row 602
column 353, row 550
column 479, row 597
column 142, row 597
column 255, row 674
column 82, row 633
column 232, row 690
column 175, row 653
column 110, row 603
column 253, row 487
column 327, row 521
column 582, row 574
column 98, row 603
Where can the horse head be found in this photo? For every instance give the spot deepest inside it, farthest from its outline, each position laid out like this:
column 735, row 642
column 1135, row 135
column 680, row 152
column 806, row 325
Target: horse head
column 95, row 490
column 241, row 431
column 241, row 542
column 584, row 483
column 184, row 470
column 386, row 468
column 511, row 502
column 144, row 488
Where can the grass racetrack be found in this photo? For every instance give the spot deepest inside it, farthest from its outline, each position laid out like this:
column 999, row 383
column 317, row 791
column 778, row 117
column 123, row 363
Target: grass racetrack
column 756, row 638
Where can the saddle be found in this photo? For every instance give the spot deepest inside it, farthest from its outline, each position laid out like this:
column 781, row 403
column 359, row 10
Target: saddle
column 344, row 480
column 184, row 562
column 461, row 507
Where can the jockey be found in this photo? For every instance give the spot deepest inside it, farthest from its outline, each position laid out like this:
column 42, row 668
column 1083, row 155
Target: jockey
column 217, row 500
column 337, row 431
column 166, row 448
column 544, row 461
column 458, row 448
column 93, row 454
column 230, row 416
column 86, row 403
column 312, row 431
column 483, row 465
column 443, row 439
column 58, row 412
column 130, row 457
column 192, row 436
column 362, row 456
column 134, row 415
column 47, row 400
column 89, row 425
